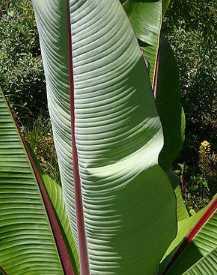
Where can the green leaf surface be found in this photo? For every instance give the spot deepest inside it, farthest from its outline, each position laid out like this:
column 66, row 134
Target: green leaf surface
column 107, row 111
column 146, row 19
column 27, row 245
column 206, row 265
column 168, row 102
column 55, row 194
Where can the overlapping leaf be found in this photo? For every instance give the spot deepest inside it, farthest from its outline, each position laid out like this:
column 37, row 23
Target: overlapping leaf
column 27, row 245
column 168, row 102
column 198, row 256
column 146, row 19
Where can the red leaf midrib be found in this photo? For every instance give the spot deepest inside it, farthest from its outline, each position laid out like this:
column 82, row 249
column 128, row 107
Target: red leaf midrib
column 84, row 263
column 208, row 214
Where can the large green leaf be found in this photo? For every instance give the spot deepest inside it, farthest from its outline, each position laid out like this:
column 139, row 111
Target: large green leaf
column 27, row 245
column 108, row 136
column 198, row 255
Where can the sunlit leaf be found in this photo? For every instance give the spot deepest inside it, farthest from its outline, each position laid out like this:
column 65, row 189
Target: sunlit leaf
column 108, row 136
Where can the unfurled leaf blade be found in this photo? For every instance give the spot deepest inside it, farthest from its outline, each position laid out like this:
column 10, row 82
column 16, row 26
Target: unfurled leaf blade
column 26, row 241
column 108, row 136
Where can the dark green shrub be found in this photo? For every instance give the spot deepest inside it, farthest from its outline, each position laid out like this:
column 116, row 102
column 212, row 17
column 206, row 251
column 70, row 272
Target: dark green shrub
column 191, row 29
column 41, row 142
column 21, row 72
column 190, row 26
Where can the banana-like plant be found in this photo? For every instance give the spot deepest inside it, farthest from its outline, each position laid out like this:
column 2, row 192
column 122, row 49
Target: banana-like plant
column 120, row 216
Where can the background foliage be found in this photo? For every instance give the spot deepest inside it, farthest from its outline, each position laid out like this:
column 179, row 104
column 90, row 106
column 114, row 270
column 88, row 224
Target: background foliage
column 190, row 26
column 21, row 72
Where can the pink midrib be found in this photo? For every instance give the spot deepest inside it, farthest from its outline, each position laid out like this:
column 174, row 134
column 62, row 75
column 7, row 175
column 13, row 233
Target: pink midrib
column 82, row 243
